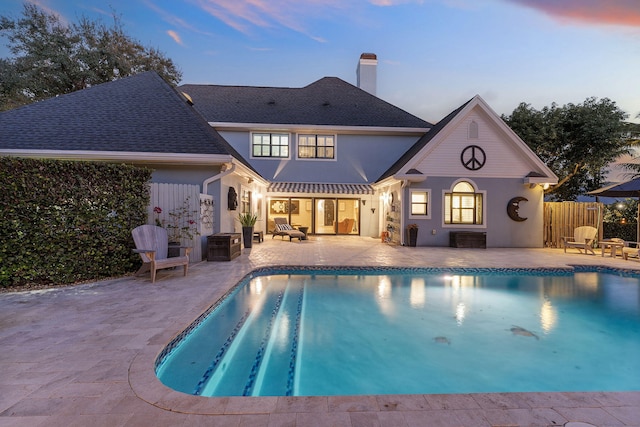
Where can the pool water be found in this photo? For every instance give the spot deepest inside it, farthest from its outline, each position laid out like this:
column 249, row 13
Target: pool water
column 413, row 332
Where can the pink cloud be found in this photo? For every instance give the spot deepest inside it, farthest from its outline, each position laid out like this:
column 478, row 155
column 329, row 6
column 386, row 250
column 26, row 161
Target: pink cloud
column 175, row 36
column 244, row 15
column 603, row 12
column 42, row 5
column 174, row 20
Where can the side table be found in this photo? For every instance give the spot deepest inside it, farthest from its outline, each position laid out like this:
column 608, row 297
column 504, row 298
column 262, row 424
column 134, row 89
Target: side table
column 613, row 245
column 305, row 230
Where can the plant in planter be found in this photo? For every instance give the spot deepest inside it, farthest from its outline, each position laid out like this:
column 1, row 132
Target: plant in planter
column 412, row 230
column 248, row 221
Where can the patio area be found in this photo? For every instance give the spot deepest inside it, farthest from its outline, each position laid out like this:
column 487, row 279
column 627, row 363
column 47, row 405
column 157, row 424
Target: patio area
column 83, row 355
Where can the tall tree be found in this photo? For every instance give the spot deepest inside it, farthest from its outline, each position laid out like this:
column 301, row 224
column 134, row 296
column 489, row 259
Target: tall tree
column 576, row 141
column 51, row 58
column 633, row 136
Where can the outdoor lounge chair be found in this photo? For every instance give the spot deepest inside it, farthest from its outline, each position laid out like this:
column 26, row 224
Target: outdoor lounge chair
column 152, row 243
column 631, row 251
column 582, row 239
column 284, row 229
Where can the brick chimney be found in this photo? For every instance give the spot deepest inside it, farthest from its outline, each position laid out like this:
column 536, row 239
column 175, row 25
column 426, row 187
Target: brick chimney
column 367, row 72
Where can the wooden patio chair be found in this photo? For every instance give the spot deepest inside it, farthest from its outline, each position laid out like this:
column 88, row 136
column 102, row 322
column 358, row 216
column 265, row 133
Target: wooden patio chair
column 152, row 243
column 582, row 239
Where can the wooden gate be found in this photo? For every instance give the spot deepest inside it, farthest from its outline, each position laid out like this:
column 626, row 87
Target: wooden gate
column 561, row 218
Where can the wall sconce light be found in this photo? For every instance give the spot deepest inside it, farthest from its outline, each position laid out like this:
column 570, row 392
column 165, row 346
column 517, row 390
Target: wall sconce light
column 373, row 210
column 545, row 186
column 250, row 180
column 364, row 202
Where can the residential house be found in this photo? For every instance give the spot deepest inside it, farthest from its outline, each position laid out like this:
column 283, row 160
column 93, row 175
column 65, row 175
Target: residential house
column 330, row 157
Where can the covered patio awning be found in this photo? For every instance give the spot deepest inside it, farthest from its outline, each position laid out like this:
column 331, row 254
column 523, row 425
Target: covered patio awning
column 306, row 187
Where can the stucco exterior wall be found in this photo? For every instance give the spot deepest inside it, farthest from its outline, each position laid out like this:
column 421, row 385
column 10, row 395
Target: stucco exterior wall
column 501, row 230
column 359, row 159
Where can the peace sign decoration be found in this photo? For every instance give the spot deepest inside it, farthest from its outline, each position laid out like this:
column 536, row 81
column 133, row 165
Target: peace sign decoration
column 473, row 157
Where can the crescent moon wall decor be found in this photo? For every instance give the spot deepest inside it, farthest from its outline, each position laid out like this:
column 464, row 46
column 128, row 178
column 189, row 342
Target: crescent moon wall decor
column 513, row 206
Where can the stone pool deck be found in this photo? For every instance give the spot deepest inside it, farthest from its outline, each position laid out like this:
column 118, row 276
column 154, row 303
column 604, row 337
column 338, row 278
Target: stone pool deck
column 83, row 355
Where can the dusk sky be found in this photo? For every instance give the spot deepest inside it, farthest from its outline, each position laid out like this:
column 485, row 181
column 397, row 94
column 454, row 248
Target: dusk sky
column 433, row 55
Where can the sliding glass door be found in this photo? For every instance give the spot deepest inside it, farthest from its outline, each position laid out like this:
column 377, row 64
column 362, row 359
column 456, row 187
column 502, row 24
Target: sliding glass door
column 337, row 216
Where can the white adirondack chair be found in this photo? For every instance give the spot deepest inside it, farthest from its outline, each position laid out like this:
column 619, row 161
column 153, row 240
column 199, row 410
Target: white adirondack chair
column 582, row 239
column 633, row 251
column 152, row 243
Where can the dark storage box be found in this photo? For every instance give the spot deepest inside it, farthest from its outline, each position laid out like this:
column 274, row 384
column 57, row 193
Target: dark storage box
column 223, row 246
column 468, row 239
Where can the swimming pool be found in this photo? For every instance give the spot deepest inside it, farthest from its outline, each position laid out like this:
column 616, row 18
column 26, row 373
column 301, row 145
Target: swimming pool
column 412, row 331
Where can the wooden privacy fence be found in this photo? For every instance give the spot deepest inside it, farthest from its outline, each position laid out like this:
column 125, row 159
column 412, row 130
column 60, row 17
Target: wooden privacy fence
column 561, row 218
column 195, row 211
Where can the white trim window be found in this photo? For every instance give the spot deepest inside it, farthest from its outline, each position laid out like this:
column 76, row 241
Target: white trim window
column 245, row 200
column 464, row 205
column 274, row 145
column 420, row 204
column 317, row 147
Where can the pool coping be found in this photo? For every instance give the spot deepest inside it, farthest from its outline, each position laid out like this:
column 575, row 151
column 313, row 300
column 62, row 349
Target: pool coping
column 145, row 384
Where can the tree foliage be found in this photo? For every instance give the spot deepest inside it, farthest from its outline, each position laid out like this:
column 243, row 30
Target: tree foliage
column 633, row 136
column 576, row 141
column 51, row 58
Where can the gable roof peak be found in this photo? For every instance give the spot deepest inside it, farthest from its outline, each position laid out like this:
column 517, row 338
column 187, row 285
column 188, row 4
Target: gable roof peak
column 408, row 159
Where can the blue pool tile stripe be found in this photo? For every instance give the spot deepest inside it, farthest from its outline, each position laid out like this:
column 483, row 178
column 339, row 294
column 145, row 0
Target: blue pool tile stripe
column 175, row 342
column 294, row 346
column 263, row 344
column 220, row 354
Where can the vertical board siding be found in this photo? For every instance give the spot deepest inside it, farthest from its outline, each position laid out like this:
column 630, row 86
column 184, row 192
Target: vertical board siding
column 561, row 218
column 172, row 196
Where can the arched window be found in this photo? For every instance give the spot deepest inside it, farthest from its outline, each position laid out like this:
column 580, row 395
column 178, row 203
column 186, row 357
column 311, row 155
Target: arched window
column 473, row 130
column 463, row 205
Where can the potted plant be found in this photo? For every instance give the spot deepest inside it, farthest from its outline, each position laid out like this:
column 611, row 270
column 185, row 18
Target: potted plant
column 412, row 230
column 247, row 220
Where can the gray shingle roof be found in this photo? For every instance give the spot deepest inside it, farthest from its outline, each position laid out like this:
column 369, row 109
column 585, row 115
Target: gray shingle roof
column 141, row 113
column 329, row 101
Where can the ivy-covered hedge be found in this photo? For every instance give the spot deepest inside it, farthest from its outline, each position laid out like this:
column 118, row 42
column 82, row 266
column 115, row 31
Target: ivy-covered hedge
column 62, row 221
column 628, row 231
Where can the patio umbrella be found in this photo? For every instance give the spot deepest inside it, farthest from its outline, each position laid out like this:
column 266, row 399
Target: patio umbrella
column 629, row 188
